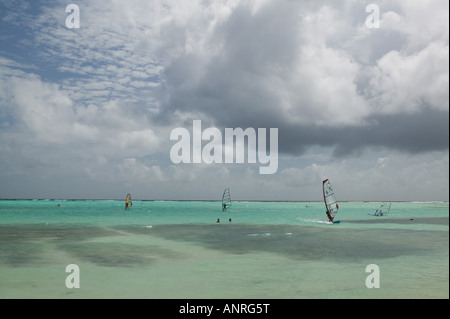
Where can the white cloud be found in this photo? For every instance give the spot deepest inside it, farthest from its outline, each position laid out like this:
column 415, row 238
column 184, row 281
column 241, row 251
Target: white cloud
column 407, row 83
column 388, row 177
column 98, row 103
column 423, row 22
column 41, row 107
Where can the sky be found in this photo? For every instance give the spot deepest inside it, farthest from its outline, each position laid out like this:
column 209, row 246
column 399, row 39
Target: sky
column 358, row 90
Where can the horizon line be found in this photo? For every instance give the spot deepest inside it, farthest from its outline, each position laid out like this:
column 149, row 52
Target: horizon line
column 219, row 200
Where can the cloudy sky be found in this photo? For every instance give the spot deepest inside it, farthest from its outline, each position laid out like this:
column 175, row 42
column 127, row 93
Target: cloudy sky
column 87, row 112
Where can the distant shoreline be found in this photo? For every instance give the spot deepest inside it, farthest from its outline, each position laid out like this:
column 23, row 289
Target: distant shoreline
column 421, row 220
column 216, row 200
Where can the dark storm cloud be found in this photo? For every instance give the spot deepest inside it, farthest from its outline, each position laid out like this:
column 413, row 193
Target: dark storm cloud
column 83, row 110
column 421, row 132
column 234, row 80
column 286, row 67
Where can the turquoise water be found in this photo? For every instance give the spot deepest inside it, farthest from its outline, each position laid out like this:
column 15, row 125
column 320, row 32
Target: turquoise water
column 178, row 250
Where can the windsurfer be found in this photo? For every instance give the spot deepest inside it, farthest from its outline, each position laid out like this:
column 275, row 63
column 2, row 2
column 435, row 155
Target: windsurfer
column 330, row 218
column 128, row 202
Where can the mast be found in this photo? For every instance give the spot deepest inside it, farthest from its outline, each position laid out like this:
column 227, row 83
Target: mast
column 329, row 200
column 330, row 218
column 226, row 199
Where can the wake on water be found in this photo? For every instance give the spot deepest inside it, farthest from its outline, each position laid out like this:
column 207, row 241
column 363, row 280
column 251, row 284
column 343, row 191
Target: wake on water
column 315, row 221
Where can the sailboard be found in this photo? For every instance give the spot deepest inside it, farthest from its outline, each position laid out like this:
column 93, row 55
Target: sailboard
column 226, row 199
column 330, row 201
column 128, row 201
column 383, row 210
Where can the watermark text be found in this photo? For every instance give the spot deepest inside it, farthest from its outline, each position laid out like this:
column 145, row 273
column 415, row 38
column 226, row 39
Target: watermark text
column 373, row 279
column 73, row 19
column 223, row 151
column 73, row 280
column 373, row 19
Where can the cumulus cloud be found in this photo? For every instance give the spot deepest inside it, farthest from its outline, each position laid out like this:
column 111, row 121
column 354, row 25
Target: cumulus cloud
column 402, row 83
column 303, row 74
column 99, row 102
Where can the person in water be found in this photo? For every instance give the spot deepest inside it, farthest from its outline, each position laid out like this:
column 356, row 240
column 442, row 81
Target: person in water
column 224, row 207
column 218, row 220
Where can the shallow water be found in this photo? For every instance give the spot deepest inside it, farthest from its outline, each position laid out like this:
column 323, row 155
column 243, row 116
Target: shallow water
column 178, row 250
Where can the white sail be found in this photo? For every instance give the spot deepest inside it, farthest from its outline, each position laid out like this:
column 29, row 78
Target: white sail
column 330, row 200
column 226, row 199
column 383, row 209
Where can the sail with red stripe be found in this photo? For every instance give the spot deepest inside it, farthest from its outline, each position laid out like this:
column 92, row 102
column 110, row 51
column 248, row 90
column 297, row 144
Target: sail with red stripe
column 330, row 200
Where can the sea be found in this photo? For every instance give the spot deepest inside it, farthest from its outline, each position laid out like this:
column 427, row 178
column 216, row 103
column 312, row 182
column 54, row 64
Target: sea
column 95, row 249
